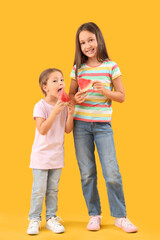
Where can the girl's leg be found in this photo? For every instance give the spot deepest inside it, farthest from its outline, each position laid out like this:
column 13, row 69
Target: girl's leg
column 106, row 150
column 52, row 191
column 38, row 192
column 84, row 146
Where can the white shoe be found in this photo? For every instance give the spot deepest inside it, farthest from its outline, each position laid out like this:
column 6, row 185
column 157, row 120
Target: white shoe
column 33, row 227
column 54, row 225
column 125, row 224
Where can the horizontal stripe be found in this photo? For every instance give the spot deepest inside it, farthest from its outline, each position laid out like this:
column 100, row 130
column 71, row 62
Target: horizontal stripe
column 95, row 100
column 106, row 84
column 93, row 110
column 96, row 95
column 91, row 120
column 97, row 105
column 95, row 74
column 95, row 68
column 101, row 79
column 98, row 78
column 108, row 102
column 92, row 92
column 92, row 114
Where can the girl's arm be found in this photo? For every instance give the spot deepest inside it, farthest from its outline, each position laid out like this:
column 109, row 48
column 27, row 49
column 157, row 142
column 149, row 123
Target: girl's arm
column 44, row 125
column 75, row 96
column 117, row 95
column 69, row 123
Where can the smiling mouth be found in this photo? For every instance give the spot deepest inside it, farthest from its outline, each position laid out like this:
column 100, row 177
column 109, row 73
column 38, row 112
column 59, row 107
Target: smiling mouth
column 90, row 51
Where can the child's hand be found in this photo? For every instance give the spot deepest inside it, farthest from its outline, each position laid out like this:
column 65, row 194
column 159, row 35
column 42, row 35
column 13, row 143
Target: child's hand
column 59, row 107
column 71, row 108
column 80, row 97
column 99, row 87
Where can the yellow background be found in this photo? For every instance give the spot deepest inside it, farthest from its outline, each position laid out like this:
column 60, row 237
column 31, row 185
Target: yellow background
column 36, row 35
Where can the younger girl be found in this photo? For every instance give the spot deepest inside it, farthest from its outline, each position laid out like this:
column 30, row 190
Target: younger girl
column 93, row 124
column 47, row 157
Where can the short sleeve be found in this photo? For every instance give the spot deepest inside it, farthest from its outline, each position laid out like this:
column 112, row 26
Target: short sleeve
column 73, row 73
column 39, row 111
column 115, row 71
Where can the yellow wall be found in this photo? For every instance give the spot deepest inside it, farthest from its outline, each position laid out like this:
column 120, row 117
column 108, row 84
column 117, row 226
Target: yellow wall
column 36, row 35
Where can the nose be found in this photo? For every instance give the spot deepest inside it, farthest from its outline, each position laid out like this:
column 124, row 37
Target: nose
column 87, row 45
column 60, row 82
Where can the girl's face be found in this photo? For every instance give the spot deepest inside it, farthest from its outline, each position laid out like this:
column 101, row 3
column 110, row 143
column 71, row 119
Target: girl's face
column 55, row 84
column 88, row 43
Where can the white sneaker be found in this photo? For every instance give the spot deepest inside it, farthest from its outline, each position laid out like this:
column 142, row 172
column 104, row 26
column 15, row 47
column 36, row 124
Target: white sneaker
column 54, row 225
column 125, row 224
column 33, row 227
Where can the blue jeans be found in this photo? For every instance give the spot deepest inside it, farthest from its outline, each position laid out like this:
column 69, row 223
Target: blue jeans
column 85, row 135
column 45, row 184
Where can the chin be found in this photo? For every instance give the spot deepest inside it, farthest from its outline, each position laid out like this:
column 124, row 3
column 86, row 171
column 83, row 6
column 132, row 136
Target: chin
column 55, row 96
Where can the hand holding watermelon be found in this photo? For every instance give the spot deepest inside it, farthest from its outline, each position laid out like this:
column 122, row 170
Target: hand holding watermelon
column 84, row 85
column 59, row 106
column 80, row 97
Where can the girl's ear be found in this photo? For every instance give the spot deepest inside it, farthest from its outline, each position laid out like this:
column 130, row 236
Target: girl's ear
column 44, row 87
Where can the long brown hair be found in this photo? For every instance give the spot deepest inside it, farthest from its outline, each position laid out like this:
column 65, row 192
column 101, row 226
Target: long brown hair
column 101, row 47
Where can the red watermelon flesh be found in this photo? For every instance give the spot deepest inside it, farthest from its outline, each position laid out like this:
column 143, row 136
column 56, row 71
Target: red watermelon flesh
column 64, row 97
column 84, row 84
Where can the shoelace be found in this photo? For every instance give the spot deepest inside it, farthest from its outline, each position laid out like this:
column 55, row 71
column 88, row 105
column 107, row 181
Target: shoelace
column 33, row 223
column 56, row 220
column 126, row 222
column 94, row 219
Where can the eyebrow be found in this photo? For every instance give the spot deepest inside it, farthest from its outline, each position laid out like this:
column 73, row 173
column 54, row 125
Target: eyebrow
column 87, row 39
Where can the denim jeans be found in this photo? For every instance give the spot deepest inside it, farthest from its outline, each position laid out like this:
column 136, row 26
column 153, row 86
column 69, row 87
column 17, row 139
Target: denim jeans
column 45, row 184
column 85, row 135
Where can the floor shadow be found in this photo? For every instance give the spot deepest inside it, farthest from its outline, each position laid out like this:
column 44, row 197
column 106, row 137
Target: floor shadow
column 83, row 225
column 108, row 226
column 75, row 224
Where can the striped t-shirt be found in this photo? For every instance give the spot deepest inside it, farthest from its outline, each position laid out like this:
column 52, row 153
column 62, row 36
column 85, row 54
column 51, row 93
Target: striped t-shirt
column 96, row 107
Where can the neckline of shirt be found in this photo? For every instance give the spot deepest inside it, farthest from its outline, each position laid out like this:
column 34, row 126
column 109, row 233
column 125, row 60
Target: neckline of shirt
column 95, row 65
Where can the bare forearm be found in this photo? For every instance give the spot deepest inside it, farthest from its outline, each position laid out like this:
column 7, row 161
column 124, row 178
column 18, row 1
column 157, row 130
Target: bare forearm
column 72, row 97
column 47, row 124
column 69, row 124
column 115, row 96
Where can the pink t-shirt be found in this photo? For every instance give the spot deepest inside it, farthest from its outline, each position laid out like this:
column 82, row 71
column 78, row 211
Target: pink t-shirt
column 48, row 150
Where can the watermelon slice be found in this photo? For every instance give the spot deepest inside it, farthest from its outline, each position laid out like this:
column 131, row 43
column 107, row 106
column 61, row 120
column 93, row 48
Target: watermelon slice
column 84, row 84
column 64, row 97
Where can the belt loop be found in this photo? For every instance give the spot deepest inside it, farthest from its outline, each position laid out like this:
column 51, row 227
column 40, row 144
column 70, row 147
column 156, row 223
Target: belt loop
column 92, row 126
